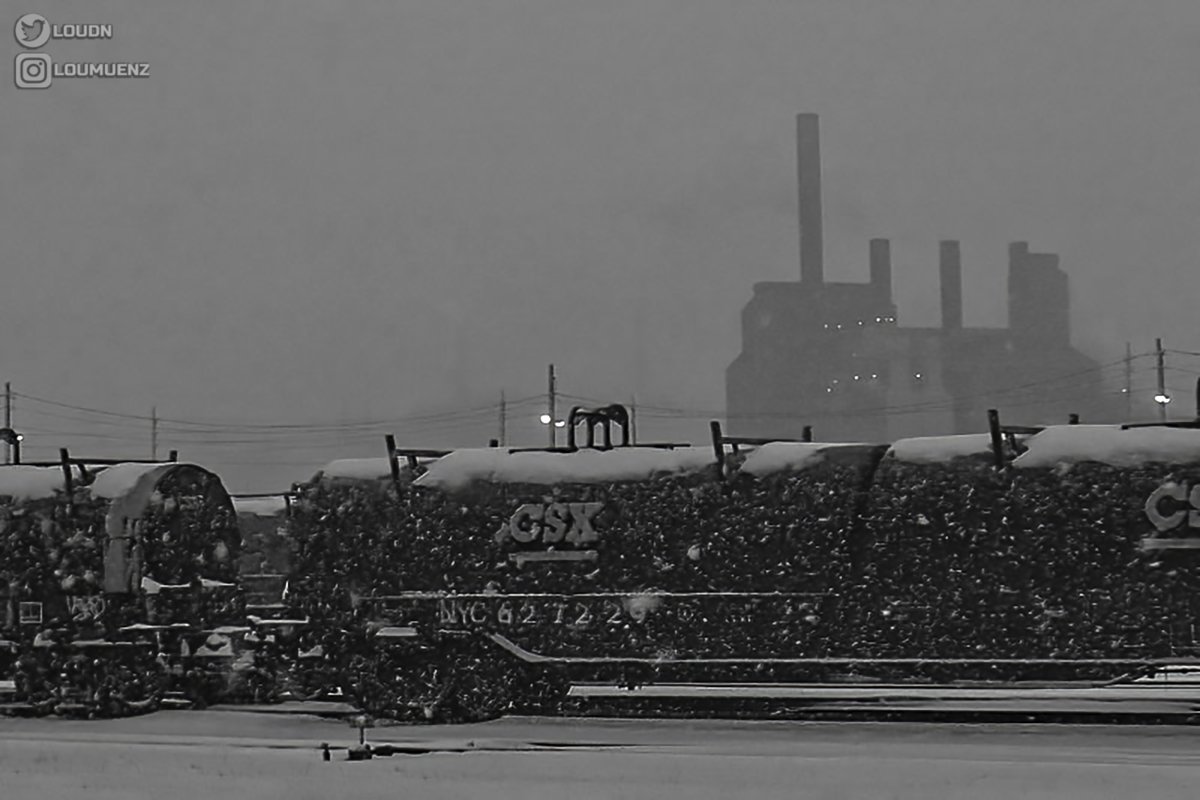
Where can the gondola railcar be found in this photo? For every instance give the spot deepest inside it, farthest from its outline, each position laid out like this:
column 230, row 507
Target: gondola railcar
column 497, row 576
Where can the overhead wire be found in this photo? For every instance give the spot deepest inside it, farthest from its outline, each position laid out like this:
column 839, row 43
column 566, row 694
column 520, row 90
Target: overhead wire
column 133, row 429
column 166, row 423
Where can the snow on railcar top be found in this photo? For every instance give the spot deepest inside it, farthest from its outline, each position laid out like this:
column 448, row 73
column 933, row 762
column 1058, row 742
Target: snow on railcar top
column 25, row 482
column 271, row 506
column 940, row 449
column 111, row 481
column 1109, row 444
column 463, row 467
column 120, row 479
column 792, row 456
column 359, row 469
column 362, row 469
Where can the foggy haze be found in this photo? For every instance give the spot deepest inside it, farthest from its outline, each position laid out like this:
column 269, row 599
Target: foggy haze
column 338, row 213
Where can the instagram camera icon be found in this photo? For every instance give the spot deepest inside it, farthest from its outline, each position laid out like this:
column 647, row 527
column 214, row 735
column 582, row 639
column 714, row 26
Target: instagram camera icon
column 33, row 71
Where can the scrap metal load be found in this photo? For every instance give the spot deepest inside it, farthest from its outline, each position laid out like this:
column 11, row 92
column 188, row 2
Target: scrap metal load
column 96, row 562
column 461, row 585
column 1065, row 563
column 497, row 575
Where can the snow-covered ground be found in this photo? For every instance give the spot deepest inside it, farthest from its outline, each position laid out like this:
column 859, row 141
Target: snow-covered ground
column 224, row 754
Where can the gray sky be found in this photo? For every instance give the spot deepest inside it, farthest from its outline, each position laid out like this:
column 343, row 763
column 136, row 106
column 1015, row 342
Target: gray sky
column 328, row 212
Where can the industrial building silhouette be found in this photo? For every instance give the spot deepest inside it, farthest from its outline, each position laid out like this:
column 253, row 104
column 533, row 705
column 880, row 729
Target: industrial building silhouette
column 834, row 356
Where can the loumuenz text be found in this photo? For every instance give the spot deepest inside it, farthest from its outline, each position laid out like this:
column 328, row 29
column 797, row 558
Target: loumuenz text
column 101, row 70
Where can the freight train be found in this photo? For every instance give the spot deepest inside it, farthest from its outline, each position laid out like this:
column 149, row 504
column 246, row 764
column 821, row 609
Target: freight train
column 464, row 584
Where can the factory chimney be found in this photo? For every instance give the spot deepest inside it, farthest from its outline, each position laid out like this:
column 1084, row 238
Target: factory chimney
column 808, row 168
column 950, row 264
column 881, row 267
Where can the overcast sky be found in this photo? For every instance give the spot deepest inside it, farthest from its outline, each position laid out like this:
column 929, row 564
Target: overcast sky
column 334, row 212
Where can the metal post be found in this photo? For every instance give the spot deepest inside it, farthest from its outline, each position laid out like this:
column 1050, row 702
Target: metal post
column 997, row 444
column 154, row 433
column 390, row 442
column 718, row 444
column 68, row 484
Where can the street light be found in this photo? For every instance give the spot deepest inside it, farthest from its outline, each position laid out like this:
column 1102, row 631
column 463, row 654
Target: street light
column 1162, row 399
column 546, row 419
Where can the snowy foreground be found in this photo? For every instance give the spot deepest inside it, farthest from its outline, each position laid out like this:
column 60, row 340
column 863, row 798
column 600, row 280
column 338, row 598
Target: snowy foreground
column 228, row 754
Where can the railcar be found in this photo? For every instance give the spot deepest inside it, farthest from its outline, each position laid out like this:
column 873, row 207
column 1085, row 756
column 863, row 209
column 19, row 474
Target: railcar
column 496, row 577
column 96, row 560
column 461, row 585
column 1041, row 561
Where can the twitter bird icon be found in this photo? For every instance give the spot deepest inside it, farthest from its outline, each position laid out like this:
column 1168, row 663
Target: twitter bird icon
column 32, row 30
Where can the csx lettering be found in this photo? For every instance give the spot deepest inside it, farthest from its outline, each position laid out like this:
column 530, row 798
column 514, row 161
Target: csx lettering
column 552, row 523
column 1157, row 503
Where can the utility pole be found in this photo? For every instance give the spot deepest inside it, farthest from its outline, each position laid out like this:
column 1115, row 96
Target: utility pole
column 633, row 419
column 154, row 433
column 7, row 419
column 551, row 402
column 503, row 419
column 1161, row 398
column 1128, row 382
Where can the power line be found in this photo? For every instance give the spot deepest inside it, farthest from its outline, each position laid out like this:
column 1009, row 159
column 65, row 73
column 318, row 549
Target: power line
column 191, row 426
column 118, row 429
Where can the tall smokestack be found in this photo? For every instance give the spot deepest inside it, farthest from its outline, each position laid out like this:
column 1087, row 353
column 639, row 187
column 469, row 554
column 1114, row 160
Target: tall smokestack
column 1017, row 251
column 950, row 264
column 881, row 266
column 808, row 168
